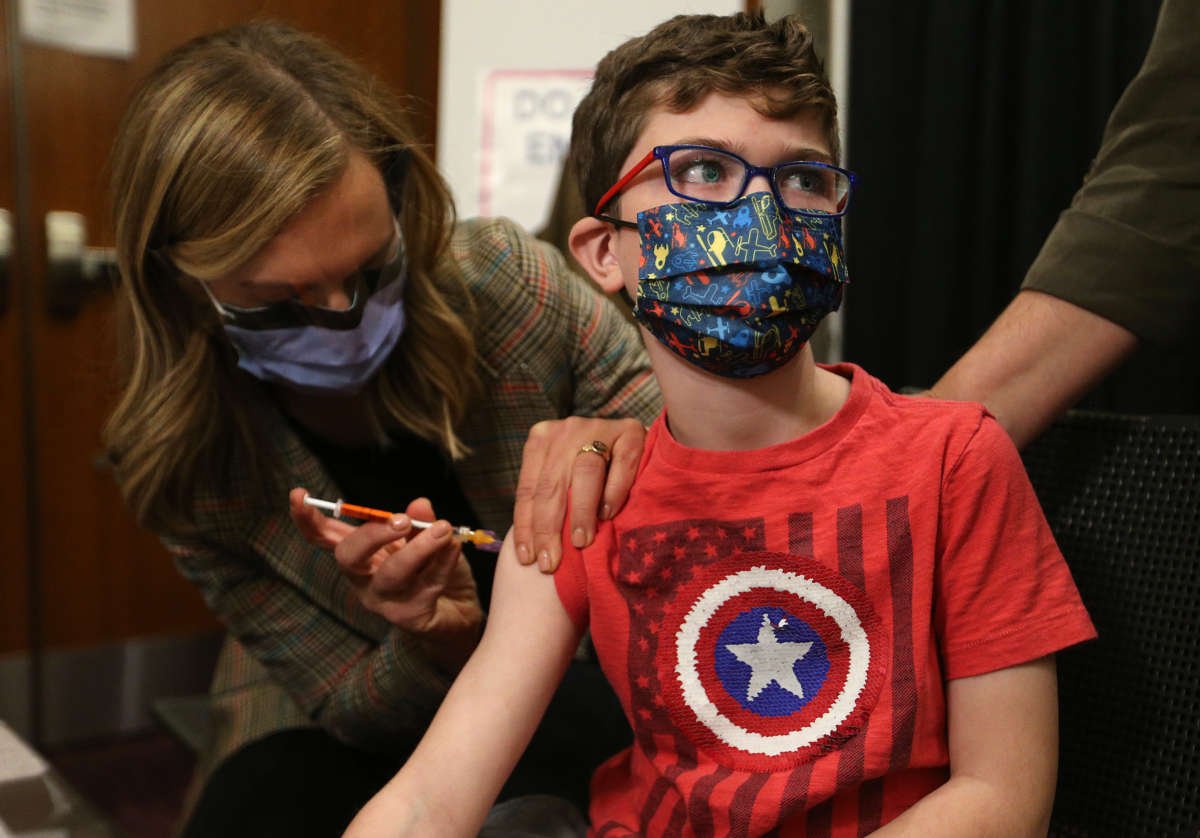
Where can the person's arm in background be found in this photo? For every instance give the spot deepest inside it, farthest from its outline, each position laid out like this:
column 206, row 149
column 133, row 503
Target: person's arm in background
column 1122, row 263
column 1038, row 359
column 447, row 786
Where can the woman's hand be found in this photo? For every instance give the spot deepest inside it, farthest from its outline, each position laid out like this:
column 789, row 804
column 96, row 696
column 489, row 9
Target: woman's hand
column 553, row 463
column 417, row 580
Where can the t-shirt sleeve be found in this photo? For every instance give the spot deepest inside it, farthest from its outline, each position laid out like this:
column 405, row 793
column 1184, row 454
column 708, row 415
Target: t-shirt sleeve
column 571, row 581
column 1005, row 595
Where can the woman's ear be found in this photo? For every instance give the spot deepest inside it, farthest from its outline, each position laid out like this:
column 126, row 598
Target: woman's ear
column 593, row 243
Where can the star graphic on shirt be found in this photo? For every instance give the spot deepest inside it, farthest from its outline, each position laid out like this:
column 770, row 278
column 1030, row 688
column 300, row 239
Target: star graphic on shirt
column 770, row 661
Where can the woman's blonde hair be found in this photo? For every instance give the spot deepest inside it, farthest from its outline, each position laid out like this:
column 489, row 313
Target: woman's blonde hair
column 226, row 140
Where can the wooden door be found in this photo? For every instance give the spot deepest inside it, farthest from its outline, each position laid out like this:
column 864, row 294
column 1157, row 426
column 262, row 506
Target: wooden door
column 14, row 549
column 99, row 579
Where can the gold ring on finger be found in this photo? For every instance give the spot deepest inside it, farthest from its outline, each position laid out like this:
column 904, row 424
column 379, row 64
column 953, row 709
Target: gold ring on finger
column 596, row 447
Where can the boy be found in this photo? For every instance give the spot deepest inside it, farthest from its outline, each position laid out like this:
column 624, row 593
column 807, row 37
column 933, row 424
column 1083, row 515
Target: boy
column 827, row 610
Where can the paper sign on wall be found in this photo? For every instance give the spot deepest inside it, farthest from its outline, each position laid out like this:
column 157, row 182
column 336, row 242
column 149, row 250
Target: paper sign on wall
column 526, row 131
column 92, row 27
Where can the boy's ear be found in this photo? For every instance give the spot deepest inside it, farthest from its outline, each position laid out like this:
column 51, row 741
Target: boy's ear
column 593, row 243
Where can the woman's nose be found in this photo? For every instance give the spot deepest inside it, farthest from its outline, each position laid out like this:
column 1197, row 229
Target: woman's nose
column 336, row 296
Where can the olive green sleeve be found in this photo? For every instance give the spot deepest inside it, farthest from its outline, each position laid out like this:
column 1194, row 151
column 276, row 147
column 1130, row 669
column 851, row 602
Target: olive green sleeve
column 1128, row 248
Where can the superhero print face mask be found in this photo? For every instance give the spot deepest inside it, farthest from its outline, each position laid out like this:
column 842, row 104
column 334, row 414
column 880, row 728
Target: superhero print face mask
column 738, row 290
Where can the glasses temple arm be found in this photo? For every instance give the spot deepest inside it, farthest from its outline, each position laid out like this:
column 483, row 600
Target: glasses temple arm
column 616, row 188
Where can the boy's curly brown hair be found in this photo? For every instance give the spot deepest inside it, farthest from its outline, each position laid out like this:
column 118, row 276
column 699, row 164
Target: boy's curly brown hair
column 676, row 65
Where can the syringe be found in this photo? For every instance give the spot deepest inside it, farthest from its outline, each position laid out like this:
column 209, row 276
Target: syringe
column 480, row 539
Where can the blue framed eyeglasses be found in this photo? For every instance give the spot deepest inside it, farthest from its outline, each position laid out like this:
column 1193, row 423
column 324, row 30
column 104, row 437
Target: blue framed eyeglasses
column 718, row 178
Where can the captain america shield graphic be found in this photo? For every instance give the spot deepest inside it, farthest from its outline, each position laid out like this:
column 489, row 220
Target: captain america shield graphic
column 773, row 663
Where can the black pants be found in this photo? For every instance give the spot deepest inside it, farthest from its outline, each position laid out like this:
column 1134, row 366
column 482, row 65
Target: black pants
column 306, row 783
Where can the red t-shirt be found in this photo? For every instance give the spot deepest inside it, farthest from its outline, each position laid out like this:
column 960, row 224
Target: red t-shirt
column 779, row 624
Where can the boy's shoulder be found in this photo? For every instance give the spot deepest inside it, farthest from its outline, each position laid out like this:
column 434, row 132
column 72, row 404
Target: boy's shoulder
column 926, row 424
column 912, row 407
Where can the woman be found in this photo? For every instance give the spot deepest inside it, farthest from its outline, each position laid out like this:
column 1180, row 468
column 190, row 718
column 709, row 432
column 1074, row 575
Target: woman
column 299, row 309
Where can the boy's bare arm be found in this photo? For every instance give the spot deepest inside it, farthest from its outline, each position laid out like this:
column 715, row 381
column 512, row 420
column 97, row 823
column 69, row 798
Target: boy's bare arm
column 1003, row 736
column 487, row 718
column 1039, row 358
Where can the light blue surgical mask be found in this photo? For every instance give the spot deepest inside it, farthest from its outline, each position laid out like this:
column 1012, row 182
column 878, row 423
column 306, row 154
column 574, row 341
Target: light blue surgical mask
column 319, row 350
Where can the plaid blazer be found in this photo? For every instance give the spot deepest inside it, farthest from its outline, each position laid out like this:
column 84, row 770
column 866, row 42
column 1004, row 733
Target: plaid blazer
column 301, row 650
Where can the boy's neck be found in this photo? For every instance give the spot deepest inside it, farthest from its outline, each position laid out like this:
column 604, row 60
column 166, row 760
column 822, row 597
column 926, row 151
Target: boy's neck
column 741, row 414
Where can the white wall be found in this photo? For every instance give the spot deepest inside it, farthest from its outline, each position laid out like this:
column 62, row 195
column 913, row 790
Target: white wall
column 480, row 37
column 829, row 21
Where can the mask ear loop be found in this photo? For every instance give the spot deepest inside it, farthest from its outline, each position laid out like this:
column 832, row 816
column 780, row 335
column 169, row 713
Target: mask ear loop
column 398, row 247
column 221, row 310
column 401, row 256
column 395, row 263
column 157, row 253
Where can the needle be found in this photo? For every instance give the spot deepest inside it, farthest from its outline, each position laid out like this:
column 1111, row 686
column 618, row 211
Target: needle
column 481, row 539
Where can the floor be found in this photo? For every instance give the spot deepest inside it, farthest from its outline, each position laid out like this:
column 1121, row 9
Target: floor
column 138, row 782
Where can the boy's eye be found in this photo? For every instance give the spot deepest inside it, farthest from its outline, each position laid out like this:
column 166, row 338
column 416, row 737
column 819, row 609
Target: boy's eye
column 703, row 170
column 805, row 180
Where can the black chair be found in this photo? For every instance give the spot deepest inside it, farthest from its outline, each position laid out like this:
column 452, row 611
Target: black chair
column 1122, row 494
